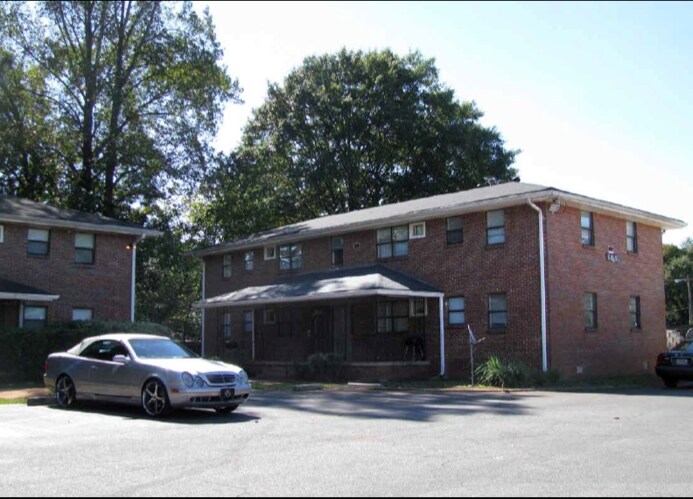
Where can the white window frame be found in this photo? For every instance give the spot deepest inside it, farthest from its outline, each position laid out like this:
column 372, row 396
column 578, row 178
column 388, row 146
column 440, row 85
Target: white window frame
column 91, row 248
column 270, row 252
column 412, row 232
column 266, row 316
column 495, row 234
column 462, row 311
column 2, row 233
column 91, row 314
column 227, row 265
column 34, row 233
column 27, row 310
column 412, row 307
column 249, row 263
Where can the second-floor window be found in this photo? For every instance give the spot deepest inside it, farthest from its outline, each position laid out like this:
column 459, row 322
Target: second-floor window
column 632, row 237
column 290, row 257
column 84, row 248
column 453, row 226
column 337, row 244
column 393, row 241
column 249, row 256
column 587, row 228
column 38, row 242
column 495, row 227
column 226, row 267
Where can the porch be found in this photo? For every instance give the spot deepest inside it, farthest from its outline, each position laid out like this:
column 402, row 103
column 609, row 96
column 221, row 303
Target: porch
column 374, row 321
column 14, row 298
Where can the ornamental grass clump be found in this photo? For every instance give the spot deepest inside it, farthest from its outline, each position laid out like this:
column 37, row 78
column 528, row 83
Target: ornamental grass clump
column 495, row 372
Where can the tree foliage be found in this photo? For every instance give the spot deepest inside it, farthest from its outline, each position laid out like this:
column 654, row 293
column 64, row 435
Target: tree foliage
column 354, row 130
column 130, row 91
column 678, row 264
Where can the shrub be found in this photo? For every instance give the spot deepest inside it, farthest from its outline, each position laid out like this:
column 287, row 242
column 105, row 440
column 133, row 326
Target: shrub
column 495, row 372
column 23, row 352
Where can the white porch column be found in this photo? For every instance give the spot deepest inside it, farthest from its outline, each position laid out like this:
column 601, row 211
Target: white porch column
column 441, row 320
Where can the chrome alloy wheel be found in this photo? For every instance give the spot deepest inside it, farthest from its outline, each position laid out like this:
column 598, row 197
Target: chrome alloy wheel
column 154, row 398
column 65, row 392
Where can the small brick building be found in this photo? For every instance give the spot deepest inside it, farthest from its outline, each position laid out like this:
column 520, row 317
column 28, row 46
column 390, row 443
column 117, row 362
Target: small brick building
column 59, row 265
column 392, row 290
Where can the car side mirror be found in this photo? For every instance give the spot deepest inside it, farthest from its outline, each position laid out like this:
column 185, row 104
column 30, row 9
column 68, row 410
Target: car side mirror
column 121, row 359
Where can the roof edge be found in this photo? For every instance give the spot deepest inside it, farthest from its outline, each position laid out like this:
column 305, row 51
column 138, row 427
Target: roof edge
column 65, row 224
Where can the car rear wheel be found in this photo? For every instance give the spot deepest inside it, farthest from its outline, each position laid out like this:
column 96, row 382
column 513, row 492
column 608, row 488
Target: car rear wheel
column 671, row 382
column 155, row 399
column 65, row 394
column 226, row 410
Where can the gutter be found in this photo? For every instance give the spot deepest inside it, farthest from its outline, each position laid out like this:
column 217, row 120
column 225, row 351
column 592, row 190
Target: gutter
column 542, row 271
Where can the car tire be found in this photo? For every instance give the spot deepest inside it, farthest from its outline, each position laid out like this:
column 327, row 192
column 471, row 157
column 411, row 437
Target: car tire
column 670, row 382
column 155, row 399
column 226, row 410
column 65, row 393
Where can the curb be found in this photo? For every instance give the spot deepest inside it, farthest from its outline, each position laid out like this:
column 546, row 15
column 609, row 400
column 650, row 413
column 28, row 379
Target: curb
column 308, row 388
column 36, row 401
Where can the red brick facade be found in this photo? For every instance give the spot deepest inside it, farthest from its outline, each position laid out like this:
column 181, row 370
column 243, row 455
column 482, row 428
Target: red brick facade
column 104, row 286
column 575, row 269
column 474, row 270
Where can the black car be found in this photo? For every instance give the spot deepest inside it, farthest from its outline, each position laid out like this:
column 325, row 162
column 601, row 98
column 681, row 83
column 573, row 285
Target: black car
column 676, row 365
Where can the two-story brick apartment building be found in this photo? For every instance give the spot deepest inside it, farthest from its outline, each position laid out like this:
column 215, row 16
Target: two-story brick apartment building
column 60, row 265
column 392, row 289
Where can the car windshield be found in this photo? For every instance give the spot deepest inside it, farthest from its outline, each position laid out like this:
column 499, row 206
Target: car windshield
column 686, row 346
column 160, row 349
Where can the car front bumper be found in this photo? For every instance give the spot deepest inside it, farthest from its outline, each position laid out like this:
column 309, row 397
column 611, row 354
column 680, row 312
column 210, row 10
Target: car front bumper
column 208, row 397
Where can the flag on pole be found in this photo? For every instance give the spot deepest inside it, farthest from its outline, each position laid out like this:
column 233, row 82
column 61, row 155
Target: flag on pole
column 472, row 338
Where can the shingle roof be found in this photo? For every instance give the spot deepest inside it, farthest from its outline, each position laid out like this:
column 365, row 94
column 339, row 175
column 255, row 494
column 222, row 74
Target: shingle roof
column 14, row 290
column 20, row 210
column 483, row 198
column 370, row 280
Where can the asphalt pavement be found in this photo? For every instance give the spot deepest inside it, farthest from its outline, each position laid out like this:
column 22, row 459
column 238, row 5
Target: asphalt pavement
column 627, row 443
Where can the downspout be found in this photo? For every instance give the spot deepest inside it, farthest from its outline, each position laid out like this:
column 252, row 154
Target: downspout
column 542, row 271
column 442, row 336
column 133, row 279
column 21, row 314
column 202, row 329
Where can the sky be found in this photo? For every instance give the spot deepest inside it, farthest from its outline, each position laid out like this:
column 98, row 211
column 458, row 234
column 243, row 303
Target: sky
column 597, row 96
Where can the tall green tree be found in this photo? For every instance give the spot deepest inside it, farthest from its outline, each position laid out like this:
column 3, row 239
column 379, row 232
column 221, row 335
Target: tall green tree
column 678, row 265
column 28, row 156
column 352, row 130
column 136, row 91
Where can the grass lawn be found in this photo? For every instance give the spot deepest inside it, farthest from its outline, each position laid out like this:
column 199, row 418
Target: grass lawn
column 12, row 401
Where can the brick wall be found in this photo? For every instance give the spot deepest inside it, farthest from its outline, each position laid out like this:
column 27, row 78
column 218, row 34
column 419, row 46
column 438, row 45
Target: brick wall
column 103, row 286
column 470, row 269
column 573, row 270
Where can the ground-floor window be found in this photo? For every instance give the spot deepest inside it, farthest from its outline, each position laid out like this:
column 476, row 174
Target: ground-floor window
column 82, row 314
column 34, row 317
column 497, row 311
column 393, row 316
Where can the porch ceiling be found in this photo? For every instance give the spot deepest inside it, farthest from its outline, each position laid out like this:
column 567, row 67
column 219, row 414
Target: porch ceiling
column 10, row 290
column 372, row 280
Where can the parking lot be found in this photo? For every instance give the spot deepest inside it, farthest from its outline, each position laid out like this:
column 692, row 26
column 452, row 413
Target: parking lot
column 344, row 443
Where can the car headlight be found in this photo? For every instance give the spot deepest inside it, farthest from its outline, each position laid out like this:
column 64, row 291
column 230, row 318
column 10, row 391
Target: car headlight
column 199, row 382
column 243, row 378
column 188, row 380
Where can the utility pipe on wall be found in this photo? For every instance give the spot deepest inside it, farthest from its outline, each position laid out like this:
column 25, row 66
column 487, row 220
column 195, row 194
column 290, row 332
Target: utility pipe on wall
column 202, row 319
column 544, row 353
column 442, row 336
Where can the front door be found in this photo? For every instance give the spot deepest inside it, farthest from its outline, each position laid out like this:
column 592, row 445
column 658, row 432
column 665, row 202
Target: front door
column 9, row 314
column 339, row 331
column 322, row 339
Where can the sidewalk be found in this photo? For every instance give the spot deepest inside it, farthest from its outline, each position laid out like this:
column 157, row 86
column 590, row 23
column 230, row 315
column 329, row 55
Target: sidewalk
column 22, row 393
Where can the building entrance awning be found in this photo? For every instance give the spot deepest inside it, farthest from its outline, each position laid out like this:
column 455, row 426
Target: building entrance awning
column 372, row 280
column 10, row 290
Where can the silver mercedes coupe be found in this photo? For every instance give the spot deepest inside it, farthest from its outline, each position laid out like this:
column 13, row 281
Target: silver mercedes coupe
column 151, row 371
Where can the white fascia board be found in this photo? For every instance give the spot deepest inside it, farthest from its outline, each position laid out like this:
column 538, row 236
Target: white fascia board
column 64, row 224
column 28, row 297
column 319, row 297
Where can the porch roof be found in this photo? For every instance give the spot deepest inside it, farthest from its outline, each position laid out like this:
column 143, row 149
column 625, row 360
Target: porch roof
column 371, row 280
column 10, row 290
